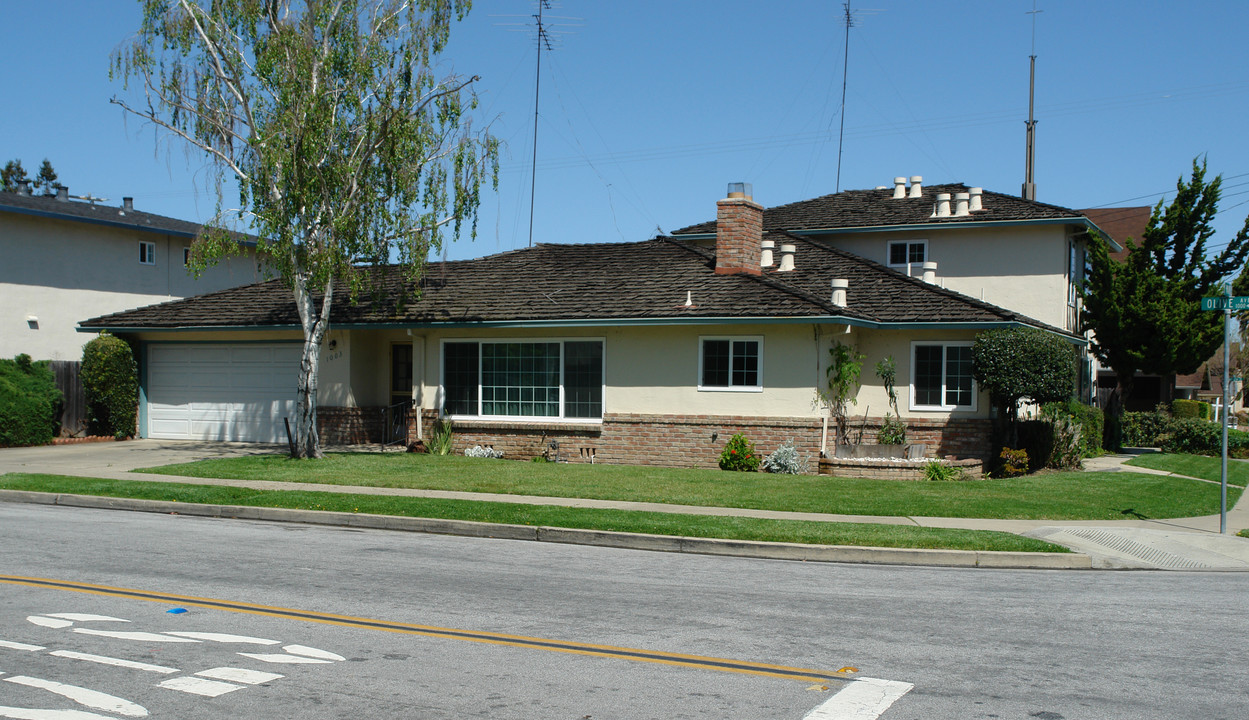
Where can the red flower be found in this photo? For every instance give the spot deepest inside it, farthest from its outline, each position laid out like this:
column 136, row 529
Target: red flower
column 732, row 452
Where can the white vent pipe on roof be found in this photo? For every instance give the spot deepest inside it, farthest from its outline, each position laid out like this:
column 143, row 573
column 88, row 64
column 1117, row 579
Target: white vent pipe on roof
column 765, row 257
column 960, row 204
column 930, row 272
column 943, row 205
column 899, row 187
column 840, row 285
column 976, row 205
column 787, row 258
column 917, row 186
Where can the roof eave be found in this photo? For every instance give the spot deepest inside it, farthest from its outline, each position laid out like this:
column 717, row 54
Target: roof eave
column 107, row 223
column 618, row 322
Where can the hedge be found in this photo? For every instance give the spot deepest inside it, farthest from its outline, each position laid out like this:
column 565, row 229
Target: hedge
column 29, row 401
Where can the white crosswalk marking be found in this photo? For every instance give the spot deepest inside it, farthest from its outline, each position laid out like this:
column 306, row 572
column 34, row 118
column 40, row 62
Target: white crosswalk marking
column 240, row 675
column 863, row 699
column 200, row 686
column 283, row 659
column 19, row 646
column 86, row 617
column 312, row 652
column 116, row 662
column 223, row 638
column 37, row 714
column 140, row 636
column 90, row 698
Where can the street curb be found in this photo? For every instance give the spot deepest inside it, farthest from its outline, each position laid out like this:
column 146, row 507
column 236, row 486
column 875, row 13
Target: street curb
column 574, row 536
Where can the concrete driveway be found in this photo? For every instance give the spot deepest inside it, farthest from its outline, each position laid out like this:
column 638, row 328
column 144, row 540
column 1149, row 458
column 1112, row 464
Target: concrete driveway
column 106, row 459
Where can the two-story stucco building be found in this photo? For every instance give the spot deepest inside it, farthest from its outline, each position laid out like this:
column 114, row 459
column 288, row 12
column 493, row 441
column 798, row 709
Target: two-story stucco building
column 63, row 259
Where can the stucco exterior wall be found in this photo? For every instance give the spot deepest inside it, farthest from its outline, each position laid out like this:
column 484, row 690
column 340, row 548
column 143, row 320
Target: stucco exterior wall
column 62, row 272
column 1020, row 268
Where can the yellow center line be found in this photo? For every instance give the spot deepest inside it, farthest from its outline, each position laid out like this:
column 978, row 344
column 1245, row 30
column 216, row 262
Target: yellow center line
column 563, row 646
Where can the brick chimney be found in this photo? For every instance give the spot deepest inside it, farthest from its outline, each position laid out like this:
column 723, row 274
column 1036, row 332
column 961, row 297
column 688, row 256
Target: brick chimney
column 739, row 232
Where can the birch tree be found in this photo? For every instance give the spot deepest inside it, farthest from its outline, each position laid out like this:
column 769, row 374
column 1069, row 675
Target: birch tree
column 347, row 147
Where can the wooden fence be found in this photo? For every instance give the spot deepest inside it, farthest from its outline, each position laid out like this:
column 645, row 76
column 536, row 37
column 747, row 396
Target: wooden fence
column 74, row 409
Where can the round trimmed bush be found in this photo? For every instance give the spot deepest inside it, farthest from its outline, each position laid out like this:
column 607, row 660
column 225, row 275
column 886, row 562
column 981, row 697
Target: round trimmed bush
column 110, row 380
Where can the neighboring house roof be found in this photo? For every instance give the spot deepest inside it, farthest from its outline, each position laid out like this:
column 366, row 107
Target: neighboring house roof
column 120, row 217
column 1120, row 224
column 857, row 210
column 620, row 283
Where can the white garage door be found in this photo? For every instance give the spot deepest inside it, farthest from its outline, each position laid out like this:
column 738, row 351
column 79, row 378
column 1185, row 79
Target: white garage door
column 221, row 392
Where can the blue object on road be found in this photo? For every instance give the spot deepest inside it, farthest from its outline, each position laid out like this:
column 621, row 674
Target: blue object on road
column 176, row 611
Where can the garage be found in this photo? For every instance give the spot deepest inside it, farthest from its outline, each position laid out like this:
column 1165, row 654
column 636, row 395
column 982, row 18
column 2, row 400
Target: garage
column 226, row 392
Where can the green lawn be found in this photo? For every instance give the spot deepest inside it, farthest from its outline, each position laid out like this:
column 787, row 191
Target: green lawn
column 819, row 533
column 1048, row 496
column 1209, row 468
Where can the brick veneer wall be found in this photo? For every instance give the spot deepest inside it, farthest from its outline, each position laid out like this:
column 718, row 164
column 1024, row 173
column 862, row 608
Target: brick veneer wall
column 690, row 440
column 350, row 425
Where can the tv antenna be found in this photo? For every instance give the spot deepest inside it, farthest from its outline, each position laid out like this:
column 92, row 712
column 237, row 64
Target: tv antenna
column 548, row 36
column 1029, row 184
column 848, row 19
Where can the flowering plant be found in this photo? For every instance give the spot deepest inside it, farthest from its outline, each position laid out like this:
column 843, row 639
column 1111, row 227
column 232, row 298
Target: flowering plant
column 739, row 454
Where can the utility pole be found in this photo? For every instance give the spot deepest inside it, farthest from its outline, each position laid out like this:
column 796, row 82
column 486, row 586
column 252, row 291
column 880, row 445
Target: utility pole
column 1029, row 182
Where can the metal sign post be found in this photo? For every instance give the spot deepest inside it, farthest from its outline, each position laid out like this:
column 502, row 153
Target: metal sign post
column 1227, row 304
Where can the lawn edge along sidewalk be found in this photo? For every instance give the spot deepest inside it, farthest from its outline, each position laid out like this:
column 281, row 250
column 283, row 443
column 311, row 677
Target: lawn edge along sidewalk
column 573, row 536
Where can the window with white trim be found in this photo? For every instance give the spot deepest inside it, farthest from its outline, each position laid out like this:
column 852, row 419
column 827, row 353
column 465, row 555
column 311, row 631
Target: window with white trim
column 941, row 377
column 186, row 256
column 730, row 363
column 147, row 253
column 903, row 253
column 526, row 380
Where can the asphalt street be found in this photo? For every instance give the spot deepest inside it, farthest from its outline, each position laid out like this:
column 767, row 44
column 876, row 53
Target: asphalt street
column 974, row 643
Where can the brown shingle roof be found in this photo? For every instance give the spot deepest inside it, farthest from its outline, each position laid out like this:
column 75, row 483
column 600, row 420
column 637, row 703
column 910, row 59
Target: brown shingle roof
column 1121, row 224
column 878, row 208
column 110, row 215
column 643, row 281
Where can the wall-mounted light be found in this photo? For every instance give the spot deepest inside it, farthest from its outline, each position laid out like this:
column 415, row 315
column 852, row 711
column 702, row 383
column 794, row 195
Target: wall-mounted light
column 333, row 344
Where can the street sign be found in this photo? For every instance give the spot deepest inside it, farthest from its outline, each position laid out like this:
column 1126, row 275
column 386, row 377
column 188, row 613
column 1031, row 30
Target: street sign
column 1225, row 303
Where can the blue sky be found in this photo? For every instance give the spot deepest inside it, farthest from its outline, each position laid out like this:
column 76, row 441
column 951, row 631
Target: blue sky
column 648, row 109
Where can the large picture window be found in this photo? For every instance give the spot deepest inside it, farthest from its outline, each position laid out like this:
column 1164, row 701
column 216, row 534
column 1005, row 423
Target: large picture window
column 527, row 380
column 730, row 364
column 941, row 377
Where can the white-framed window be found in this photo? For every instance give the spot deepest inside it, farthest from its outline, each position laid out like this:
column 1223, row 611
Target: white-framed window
column 147, row 253
column 903, row 254
column 186, row 256
column 536, row 379
column 732, row 364
column 941, row 377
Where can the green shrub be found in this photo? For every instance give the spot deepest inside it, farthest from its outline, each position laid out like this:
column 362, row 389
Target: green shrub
column 1199, row 437
column 937, row 471
column 441, row 437
column 1068, row 444
column 786, row 460
column 1037, row 438
column 892, row 431
column 739, row 454
column 29, row 401
column 1091, row 420
column 1013, row 463
column 110, row 381
column 1143, row 429
column 1186, row 409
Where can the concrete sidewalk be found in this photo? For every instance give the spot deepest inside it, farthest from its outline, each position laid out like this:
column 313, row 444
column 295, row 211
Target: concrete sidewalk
column 1181, row 543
